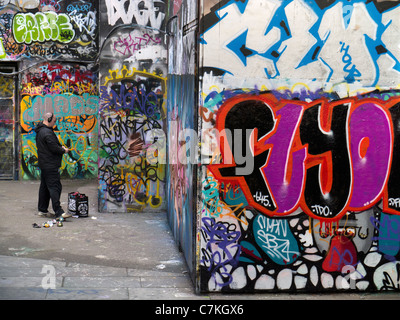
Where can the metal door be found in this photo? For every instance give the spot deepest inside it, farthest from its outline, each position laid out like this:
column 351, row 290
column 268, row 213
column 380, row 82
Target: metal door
column 8, row 144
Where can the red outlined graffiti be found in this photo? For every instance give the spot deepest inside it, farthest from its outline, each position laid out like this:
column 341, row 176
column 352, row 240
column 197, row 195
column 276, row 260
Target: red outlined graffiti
column 324, row 157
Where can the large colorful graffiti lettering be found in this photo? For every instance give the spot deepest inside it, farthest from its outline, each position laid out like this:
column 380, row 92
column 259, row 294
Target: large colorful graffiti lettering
column 50, row 29
column 327, row 158
column 41, row 27
column 266, row 230
column 299, row 133
column 71, row 93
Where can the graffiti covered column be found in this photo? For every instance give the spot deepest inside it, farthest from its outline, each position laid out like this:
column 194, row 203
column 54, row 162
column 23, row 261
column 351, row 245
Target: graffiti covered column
column 182, row 127
column 132, row 110
column 300, row 102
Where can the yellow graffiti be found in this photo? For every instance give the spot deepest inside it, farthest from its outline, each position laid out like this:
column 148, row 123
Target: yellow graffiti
column 136, row 182
column 6, row 87
column 2, row 50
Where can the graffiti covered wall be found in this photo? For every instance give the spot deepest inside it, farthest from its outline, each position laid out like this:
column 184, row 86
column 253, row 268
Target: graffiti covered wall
column 299, row 112
column 36, row 34
column 70, row 92
column 132, row 112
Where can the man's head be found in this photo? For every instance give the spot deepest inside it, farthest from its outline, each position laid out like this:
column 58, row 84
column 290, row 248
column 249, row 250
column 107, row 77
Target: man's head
column 49, row 119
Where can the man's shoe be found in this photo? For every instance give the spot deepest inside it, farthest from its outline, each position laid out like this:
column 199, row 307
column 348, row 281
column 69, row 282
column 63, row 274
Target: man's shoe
column 66, row 215
column 42, row 214
column 45, row 214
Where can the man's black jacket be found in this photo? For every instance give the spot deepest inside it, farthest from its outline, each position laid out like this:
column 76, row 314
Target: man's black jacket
column 49, row 149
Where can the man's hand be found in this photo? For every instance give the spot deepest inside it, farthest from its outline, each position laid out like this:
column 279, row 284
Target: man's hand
column 66, row 150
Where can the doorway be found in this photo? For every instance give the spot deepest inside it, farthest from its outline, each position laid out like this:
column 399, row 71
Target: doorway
column 8, row 123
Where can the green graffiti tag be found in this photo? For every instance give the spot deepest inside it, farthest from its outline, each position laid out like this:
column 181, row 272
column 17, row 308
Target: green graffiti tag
column 2, row 51
column 41, row 27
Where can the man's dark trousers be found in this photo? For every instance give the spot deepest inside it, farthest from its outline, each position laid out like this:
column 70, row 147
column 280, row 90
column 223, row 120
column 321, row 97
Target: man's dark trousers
column 50, row 188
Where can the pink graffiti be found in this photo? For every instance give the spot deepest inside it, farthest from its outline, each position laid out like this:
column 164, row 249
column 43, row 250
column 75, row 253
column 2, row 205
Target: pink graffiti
column 130, row 44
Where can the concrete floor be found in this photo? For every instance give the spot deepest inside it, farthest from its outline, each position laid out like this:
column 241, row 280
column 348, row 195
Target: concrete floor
column 109, row 256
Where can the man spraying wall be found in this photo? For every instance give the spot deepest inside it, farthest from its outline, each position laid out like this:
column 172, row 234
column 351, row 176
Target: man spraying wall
column 50, row 152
